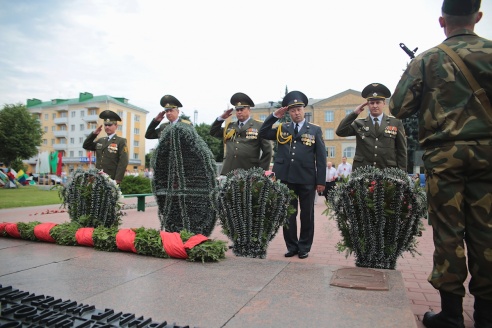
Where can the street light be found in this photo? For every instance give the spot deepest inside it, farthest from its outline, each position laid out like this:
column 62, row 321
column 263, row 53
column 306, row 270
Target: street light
column 195, row 117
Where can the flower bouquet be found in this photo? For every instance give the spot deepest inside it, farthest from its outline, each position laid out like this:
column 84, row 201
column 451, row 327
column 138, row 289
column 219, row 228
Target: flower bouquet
column 378, row 213
column 252, row 207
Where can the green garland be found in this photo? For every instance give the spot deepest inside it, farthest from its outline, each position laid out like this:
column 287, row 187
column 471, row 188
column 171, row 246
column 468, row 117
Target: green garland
column 378, row 213
column 92, row 199
column 184, row 181
column 251, row 209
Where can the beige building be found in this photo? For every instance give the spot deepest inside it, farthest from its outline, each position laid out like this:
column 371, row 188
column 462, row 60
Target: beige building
column 67, row 123
column 327, row 113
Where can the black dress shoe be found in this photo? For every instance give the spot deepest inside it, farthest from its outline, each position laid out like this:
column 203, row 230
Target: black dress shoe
column 303, row 255
column 290, row 253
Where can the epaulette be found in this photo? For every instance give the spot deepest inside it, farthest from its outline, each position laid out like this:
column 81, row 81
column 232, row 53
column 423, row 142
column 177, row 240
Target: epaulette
column 314, row 124
column 186, row 121
column 391, row 116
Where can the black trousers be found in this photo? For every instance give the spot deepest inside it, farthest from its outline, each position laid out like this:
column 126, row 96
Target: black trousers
column 305, row 203
column 328, row 186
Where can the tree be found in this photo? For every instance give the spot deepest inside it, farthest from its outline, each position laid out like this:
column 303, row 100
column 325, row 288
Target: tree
column 148, row 157
column 411, row 125
column 20, row 133
column 216, row 145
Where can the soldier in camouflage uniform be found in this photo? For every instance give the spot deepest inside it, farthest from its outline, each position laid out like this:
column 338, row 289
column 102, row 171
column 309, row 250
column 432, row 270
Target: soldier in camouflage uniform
column 244, row 148
column 455, row 129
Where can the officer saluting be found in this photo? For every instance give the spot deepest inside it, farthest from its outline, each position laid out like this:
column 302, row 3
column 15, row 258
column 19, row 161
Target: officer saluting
column 111, row 151
column 380, row 139
column 171, row 107
column 244, row 148
column 300, row 163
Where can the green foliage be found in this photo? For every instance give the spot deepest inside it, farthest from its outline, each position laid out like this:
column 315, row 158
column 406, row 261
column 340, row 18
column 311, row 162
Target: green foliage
column 378, row 213
column 216, row 145
column 26, row 230
column 251, row 208
column 148, row 158
column 20, row 133
column 135, row 185
column 208, row 251
column 105, row 239
column 149, row 242
column 184, row 181
column 92, row 199
column 64, row 233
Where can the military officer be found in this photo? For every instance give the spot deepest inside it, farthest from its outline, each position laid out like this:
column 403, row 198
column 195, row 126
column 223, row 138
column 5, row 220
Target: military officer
column 111, row 151
column 380, row 138
column 300, row 163
column 171, row 107
column 455, row 130
column 244, row 148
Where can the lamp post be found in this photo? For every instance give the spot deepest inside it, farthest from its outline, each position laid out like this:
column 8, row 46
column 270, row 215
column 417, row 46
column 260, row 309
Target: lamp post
column 195, row 117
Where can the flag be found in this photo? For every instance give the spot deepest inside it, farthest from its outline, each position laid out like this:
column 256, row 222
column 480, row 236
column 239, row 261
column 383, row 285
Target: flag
column 59, row 164
column 21, row 177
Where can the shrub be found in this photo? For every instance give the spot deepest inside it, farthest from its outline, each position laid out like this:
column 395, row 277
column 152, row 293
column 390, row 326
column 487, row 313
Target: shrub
column 135, row 185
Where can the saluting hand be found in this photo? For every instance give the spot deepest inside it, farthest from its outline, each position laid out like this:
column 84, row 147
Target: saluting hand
column 98, row 130
column 160, row 116
column 279, row 113
column 226, row 113
column 360, row 108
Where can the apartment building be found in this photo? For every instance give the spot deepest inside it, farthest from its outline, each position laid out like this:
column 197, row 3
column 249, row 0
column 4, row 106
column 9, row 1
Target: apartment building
column 327, row 113
column 67, row 123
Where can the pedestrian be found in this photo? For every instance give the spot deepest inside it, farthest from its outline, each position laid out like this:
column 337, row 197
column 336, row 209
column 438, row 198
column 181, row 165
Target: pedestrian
column 380, row 138
column 171, row 107
column 244, row 148
column 455, row 131
column 111, row 151
column 344, row 169
column 331, row 178
column 300, row 163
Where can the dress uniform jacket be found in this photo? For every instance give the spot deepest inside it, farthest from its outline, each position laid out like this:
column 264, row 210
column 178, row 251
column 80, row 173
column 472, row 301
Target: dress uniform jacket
column 387, row 148
column 245, row 149
column 154, row 132
column 301, row 161
column 111, row 155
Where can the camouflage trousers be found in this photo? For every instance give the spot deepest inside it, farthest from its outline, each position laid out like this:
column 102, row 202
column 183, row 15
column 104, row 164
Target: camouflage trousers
column 459, row 192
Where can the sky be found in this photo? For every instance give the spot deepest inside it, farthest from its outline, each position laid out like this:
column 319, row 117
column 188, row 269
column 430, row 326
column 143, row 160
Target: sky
column 202, row 52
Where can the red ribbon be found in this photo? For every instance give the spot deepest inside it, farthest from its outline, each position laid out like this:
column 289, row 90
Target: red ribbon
column 42, row 231
column 12, row 230
column 125, row 240
column 2, row 227
column 83, row 236
column 174, row 247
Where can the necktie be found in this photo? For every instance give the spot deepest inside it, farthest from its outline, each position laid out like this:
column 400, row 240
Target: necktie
column 376, row 124
column 241, row 125
column 296, row 130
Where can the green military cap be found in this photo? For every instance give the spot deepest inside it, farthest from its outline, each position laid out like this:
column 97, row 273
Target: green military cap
column 460, row 7
column 375, row 91
column 109, row 117
column 295, row 99
column 241, row 100
column 170, row 102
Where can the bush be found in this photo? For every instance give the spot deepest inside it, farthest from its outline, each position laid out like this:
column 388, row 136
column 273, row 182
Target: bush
column 135, row 185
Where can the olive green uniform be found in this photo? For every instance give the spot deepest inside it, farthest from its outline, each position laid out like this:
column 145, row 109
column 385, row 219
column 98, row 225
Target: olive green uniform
column 244, row 149
column 111, row 155
column 154, row 132
column 386, row 148
column 455, row 130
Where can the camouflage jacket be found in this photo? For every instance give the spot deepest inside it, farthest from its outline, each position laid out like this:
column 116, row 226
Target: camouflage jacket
column 434, row 88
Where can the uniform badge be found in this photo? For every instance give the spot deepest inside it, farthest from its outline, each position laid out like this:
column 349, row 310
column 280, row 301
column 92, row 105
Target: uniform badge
column 393, row 130
column 252, row 133
column 113, row 148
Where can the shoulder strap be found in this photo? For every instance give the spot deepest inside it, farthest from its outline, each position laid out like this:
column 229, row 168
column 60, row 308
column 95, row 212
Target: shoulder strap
column 477, row 89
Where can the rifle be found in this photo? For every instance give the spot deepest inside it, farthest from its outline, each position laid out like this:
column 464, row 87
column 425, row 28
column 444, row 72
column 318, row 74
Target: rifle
column 409, row 52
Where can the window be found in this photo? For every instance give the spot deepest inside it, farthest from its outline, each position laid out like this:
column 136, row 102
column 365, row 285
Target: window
column 135, row 156
column 82, row 113
column 73, row 113
column 81, row 127
column 72, row 141
column 120, row 114
column 135, row 143
column 72, row 127
column 45, row 129
column 330, row 151
column 53, row 115
column 349, row 152
column 53, row 128
column 348, row 111
column 329, row 115
column 81, row 140
column 52, row 141
column 63, row 114
column 63, row 128
column 263, row 117
column 92, row 126
column 63, row 141
column 329, row 134
column 136, row 131
column 92, row 112
column 308, row 117
column 81, row 153
column 137, row 118
column 119, row 128
column 45, row 141
column 45, row 116
column 71, row 153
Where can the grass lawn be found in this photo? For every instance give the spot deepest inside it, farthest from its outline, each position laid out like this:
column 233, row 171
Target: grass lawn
column 27, row 196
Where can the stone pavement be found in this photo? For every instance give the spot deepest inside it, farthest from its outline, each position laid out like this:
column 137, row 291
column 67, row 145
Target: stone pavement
column 236, row 292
